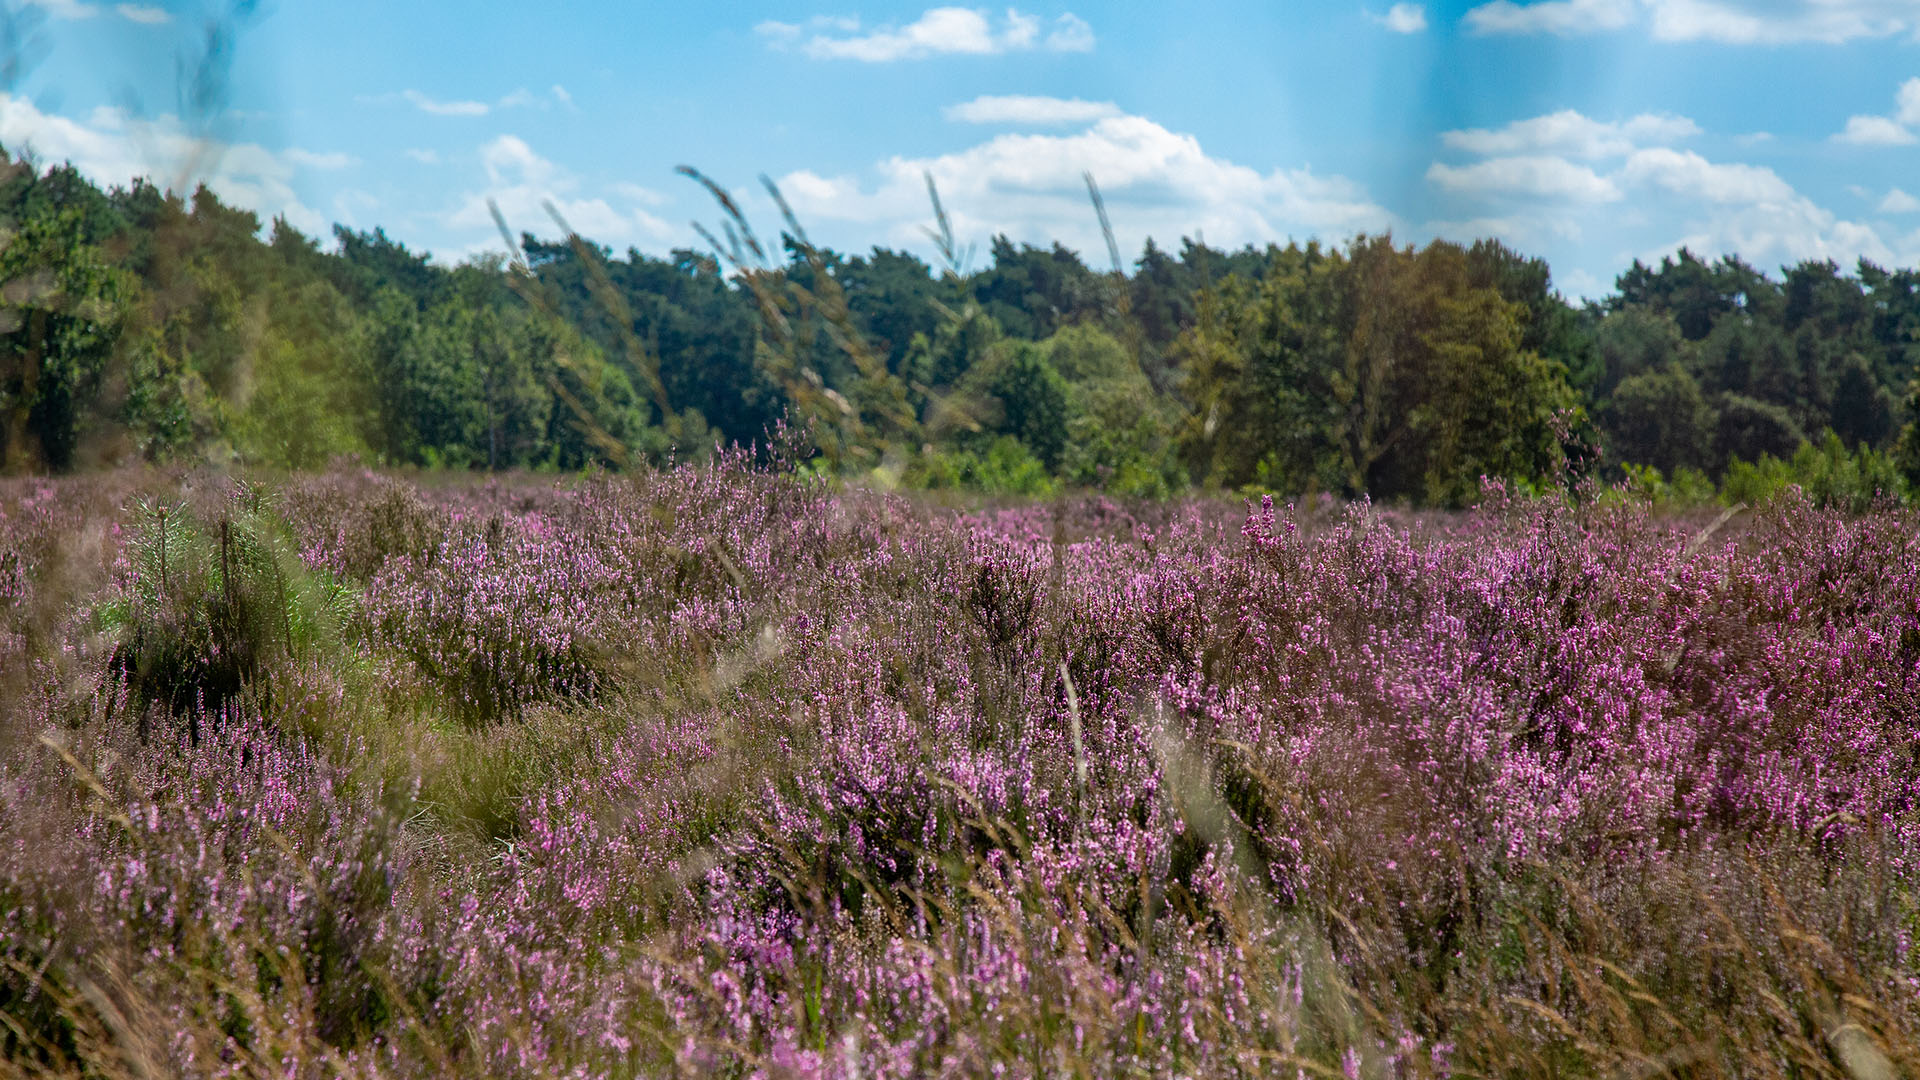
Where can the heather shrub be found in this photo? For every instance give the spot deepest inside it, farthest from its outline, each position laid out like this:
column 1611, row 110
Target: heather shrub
column 18, row 559
column 235, row 896
column 498, row 621
column 356, row 524
column 1002, row 591
column 57, row 542
column 811, row 782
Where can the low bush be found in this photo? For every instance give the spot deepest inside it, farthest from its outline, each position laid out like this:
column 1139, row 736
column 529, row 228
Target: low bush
column 204, row 609
column 716, row 771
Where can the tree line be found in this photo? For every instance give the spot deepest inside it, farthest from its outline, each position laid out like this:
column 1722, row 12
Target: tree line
column 137, row 324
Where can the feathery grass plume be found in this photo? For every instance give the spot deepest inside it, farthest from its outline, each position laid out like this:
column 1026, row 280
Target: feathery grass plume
column 521, row 279
column 872, row 422
column 1120, row 302
column 1106, row 226
column 640, row 359
column 951, row 408
column 955, row 261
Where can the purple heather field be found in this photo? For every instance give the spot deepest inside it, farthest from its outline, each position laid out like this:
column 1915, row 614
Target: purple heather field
column 722, row 770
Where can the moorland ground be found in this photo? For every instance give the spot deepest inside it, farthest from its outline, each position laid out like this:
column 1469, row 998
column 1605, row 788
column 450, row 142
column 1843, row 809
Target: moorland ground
column 718, row 770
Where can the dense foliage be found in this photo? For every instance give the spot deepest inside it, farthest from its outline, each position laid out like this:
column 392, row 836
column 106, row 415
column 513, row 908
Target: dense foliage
column 138, row 325
column 710, row 771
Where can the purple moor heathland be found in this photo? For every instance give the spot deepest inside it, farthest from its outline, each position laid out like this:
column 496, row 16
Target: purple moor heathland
column 716, row 771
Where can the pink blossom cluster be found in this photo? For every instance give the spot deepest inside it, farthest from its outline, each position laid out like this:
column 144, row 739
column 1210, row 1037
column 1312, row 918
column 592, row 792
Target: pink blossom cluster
column 715, row 770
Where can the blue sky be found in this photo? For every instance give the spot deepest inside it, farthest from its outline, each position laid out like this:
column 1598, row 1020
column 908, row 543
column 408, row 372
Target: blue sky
column 1591, row 132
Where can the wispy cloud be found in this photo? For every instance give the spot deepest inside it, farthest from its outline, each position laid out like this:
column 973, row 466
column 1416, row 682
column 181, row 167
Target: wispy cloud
column 1829, row 22
column 65, row 9
column 517, row 98
column 435, row 107
column 143, row 14
column 938, row 31
column 1070, row 33
column 1029, row 111
column 638, row 193
column 329, row 160
column 1725, row 22
column 423, row 156
column 1561, row 17
column 351, row 205
column 1403, row 18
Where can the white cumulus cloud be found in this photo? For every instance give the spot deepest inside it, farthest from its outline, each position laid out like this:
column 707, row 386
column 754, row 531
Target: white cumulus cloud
column 521, row 182
column 1534, row 176
column 1031, row 187
column 1569, row 132
column 1706, row 205
column 1894, row 130
column 1875, row 131
column 1687, row 173
column 1899, row 202
column 1906, row 101
column 112, row 149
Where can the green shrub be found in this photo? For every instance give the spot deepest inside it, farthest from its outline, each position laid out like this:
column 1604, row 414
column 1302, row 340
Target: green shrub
column 1828, row 473
column 208, row 607
column 1006, row 467
column 1687, row 488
